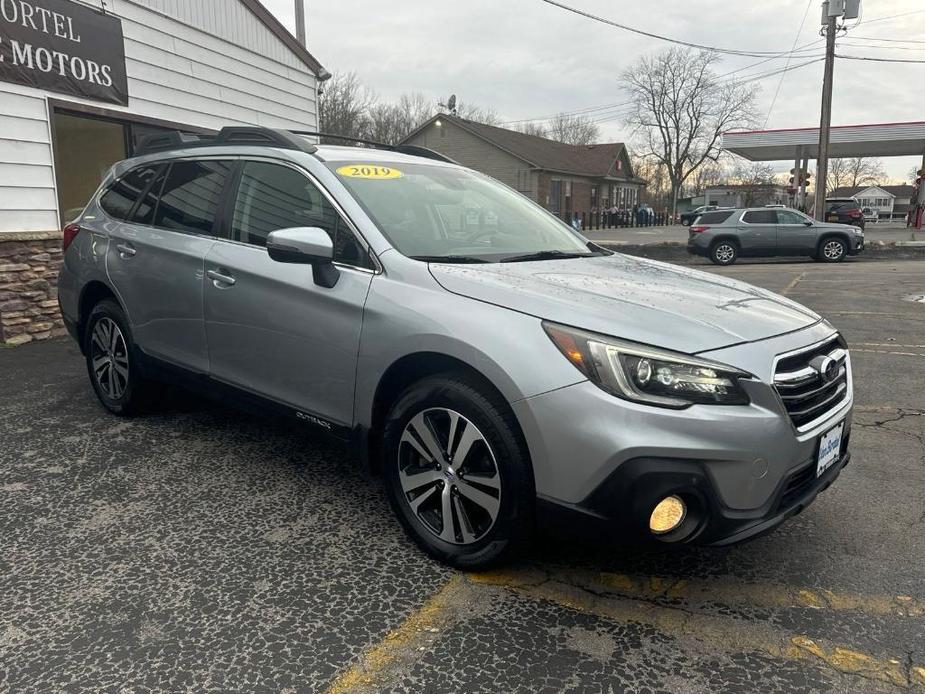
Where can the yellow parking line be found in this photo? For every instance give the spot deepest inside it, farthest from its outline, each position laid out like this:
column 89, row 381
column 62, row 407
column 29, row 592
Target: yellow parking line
column 418, row 631
column 730, row 593
column 796, row 280
column 734, row 635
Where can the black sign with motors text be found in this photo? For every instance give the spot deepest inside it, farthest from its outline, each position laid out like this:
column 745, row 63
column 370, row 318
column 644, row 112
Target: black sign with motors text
column 63, row 47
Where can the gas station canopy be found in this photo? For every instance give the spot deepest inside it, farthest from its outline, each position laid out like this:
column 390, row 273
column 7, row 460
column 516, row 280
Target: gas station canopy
column 882, row 140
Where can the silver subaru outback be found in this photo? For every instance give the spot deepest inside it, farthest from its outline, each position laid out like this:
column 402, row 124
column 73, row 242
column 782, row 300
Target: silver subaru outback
column 491, row 364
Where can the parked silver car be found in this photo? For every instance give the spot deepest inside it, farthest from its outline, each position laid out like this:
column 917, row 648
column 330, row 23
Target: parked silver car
column 724, row 236
column 487, row 360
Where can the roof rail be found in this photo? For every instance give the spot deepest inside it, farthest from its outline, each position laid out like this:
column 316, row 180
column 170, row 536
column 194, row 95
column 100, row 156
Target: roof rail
column 239, row 135
column 413, row 150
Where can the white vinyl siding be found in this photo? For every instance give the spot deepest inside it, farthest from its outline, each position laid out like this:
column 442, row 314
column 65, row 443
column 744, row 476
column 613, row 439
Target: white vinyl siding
column 199, row 63
column 27, row 191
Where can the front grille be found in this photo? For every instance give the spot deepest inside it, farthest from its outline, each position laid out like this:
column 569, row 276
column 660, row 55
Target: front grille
column 808, row 394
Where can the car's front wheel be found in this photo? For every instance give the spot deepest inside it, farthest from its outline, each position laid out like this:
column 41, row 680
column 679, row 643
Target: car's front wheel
column 832, row 250
column 724, row 253
column 457, row 472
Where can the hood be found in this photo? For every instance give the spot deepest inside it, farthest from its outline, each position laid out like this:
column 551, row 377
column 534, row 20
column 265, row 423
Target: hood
column 632, row 298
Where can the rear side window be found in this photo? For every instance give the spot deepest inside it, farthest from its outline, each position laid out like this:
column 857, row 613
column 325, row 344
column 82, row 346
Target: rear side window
column 272, row 197
column 144, row 212
column 760, row 217
column 714, row 217
column 122, row 195
column 190, row 196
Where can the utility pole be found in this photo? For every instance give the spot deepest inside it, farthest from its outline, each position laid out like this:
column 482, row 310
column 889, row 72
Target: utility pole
column 822, row 170
column 300, row 21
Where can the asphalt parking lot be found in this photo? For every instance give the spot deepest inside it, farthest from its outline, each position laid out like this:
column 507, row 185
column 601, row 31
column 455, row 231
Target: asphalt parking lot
column 202, row 549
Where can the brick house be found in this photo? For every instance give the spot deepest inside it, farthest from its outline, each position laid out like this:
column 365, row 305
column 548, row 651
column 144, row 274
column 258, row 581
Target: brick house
column 565, row 179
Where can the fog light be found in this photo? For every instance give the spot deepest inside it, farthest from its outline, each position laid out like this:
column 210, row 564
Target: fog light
column 667, row 515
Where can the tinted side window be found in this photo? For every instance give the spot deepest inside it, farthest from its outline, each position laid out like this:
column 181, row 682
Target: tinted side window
column 714, row 217
column 122, row 195
column 144, row 212
column 272, row 197
column 760, row 217
column 788, row 217
column 189, row 199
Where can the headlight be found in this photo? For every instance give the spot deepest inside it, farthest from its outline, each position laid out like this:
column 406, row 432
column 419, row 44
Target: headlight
column 647, row 374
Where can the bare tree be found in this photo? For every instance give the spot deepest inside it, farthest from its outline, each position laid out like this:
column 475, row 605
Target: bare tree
column 573, row 130
column 344, row 106
column 712, row 173
column 658, row 186
column 754, row 179
column 854, row 173
column 391, row 123
column 680, row 109
column 487, row 116
column 532, row 128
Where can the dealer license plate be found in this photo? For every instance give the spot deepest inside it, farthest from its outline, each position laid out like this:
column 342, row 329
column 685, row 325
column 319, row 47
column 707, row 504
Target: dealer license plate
column 829, row 449
column 833, row 217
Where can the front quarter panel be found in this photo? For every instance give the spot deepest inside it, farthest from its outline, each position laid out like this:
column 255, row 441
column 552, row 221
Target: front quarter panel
column 409, row 313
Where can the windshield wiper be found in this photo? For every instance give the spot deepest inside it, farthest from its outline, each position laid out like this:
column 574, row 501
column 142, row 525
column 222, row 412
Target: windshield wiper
column 545, row 255
column 449, row 259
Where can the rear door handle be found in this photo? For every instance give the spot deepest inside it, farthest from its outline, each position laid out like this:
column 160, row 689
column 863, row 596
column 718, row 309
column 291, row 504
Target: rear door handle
column 126, row 250
column 220, row 280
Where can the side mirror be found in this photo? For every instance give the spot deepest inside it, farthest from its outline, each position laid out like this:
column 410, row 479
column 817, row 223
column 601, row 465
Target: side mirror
column 306, row 246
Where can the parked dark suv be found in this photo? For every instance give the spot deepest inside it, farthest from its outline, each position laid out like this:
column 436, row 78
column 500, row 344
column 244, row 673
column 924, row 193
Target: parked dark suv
column 844, row 211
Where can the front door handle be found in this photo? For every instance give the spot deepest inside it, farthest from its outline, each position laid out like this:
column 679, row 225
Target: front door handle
column 220, row 280
column 126, row 250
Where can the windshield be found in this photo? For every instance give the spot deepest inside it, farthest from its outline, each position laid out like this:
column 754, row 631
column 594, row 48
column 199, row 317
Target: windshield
column 441, row 213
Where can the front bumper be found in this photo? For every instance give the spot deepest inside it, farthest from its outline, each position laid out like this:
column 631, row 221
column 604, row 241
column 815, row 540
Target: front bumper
column 857, row 246
column 621, row 506
column 742, row 469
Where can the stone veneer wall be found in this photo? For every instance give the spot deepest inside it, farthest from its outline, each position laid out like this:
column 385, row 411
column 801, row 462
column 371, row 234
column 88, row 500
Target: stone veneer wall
column 29, row 264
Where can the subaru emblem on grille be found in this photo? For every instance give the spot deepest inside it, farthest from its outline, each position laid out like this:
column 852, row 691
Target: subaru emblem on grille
column 826, row 367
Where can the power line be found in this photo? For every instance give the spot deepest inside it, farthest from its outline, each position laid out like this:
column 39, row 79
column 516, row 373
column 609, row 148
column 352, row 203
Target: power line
column 879, row 38
column 713, row 49
column 607, row 107
column 883, row 48
column 789, row 58
column 878, row 60
column 892, row 16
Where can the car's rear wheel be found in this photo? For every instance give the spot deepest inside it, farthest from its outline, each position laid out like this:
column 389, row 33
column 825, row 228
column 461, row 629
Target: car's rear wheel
column 457, row 472
column 724, row 253
column 832, row 250
column 110, row 356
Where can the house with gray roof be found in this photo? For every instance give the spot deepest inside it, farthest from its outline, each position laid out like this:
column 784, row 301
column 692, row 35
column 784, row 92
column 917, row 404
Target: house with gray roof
column 889, row 202
column 566, row 179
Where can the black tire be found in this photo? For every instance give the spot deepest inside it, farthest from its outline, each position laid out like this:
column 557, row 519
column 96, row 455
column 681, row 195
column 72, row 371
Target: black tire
column 513, row 524
column 832, row 250
column 724, row 252
column 125, row 395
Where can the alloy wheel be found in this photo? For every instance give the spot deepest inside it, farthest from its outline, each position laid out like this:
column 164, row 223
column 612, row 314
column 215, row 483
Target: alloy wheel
column 109, row 358
column 833, row 250
column 724, row 253
column 449, row 476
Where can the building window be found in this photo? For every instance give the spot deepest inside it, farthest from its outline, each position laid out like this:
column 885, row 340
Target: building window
column 555, row 196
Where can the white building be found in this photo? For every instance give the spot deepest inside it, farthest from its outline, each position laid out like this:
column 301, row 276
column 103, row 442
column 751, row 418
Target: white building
column 81, row 83
column 889, row 202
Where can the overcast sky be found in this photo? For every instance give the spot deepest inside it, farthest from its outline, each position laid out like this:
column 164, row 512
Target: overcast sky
column 525, row 59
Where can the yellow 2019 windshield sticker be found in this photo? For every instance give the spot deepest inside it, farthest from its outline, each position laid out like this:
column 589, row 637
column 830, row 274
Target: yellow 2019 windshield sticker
column 369, row 171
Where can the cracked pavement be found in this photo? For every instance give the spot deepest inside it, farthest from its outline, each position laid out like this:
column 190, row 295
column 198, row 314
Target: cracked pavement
column 204, row 549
